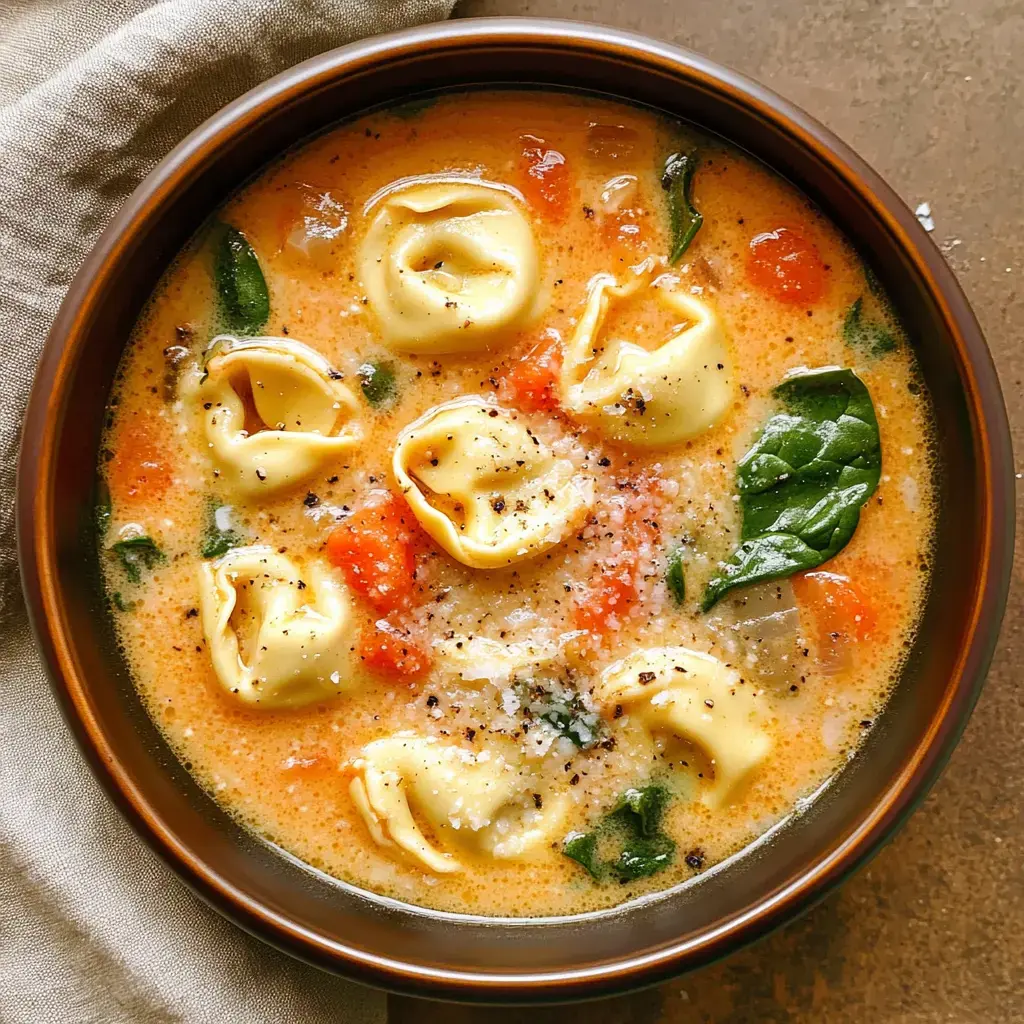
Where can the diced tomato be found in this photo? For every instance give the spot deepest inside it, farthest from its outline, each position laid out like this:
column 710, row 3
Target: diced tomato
column 530, row 384
column 787, row 266
column 140, row 468
column 605, row 601
column 624, row 230
column 375, row 548
column 545, row 178
column 388, row 651
column 841, row 611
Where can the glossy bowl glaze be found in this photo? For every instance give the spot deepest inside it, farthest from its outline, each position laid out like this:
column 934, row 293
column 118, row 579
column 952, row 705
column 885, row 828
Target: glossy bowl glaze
column 395, row 945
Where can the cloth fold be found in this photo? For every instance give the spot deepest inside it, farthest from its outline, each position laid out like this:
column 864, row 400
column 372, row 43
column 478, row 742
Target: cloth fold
column 93, row 928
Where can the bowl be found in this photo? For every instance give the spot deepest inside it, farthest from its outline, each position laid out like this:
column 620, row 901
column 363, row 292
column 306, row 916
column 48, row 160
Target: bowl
column 384, row 942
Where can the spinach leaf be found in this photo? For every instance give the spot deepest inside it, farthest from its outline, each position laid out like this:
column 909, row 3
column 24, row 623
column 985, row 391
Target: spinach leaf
column 803, row 483
column 582, row 848
column 636, row 821
column 120, row 603
column 219, row 533
column 872, row 337
column 137, row 554
column 245, row 302
column 643, row 857
column 684, row 219
column 564, row 709
column 380, row 388
column 646, row 805
column 674, row 577
column 573, row 720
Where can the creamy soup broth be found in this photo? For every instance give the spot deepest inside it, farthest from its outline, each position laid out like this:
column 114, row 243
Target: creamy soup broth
column 798, row 668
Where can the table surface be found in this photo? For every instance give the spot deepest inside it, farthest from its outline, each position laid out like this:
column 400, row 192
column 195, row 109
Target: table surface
column 930, row 93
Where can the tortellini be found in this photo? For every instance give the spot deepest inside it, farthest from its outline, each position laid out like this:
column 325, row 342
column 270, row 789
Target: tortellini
column 449, row 265
column 481, row 802
column 640, row 397
column 279, row 637
column 695, row 697
column 486, row 488
column 301, row 415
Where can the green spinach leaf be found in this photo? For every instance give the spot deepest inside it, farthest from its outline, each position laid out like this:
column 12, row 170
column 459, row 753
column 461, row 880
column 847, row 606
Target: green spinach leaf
column 241, row 286
column 684, row 218
column 803, row 483
column 582, row 848
column 380, row 387
column 675, row 579
column 646, row 805
column 872, row 337
column 643, row 848
column 219, row 533
column 136, row 555
column 643, row 857
column 572, row 719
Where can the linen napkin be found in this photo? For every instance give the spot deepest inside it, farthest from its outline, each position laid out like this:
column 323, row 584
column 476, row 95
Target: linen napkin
column 92, row 927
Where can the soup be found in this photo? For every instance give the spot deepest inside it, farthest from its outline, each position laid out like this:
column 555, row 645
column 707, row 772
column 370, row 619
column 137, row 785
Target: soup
column 518, row 503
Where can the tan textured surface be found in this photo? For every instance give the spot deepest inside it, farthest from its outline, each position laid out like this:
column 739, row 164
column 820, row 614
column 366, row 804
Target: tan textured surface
column 930, row 92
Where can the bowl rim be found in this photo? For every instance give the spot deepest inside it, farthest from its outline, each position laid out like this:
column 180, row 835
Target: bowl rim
column 821, row 873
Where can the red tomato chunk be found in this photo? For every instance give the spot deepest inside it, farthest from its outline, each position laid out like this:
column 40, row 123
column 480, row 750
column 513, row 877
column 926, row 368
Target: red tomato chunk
column 140, row 469
column 545, row 178
column 531, row 382
column 787, row 266
column 389, row 651
column 375, row 550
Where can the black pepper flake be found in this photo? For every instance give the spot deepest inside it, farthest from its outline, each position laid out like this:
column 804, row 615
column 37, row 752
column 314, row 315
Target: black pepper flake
column 574, row 781
column 470, row 734
column 538, row 801
column 647, row 677
column 498, row 504
column 604, row 461
column 695, row 859
column 260, row 474
column 333, row 479
column 191, row 613
column 618, row 711
column 709, row 703
column 311, row 500
column 432, row 701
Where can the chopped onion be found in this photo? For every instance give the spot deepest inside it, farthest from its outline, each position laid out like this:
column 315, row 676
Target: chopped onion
column 619, row 192
column 761, row 625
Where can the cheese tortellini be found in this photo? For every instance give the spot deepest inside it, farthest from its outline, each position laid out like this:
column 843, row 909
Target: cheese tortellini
column 485, row 487
column 300, row 417
column 482, row 802
column 279, row 637
column 695, row 697
column 640, row 397
column 449, row 264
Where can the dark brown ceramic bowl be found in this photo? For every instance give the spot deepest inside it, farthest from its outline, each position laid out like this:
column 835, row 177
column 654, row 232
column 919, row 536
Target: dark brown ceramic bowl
column 396, row 945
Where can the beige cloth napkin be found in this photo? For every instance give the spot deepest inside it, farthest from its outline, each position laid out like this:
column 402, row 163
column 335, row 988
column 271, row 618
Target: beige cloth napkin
column 92, row 93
